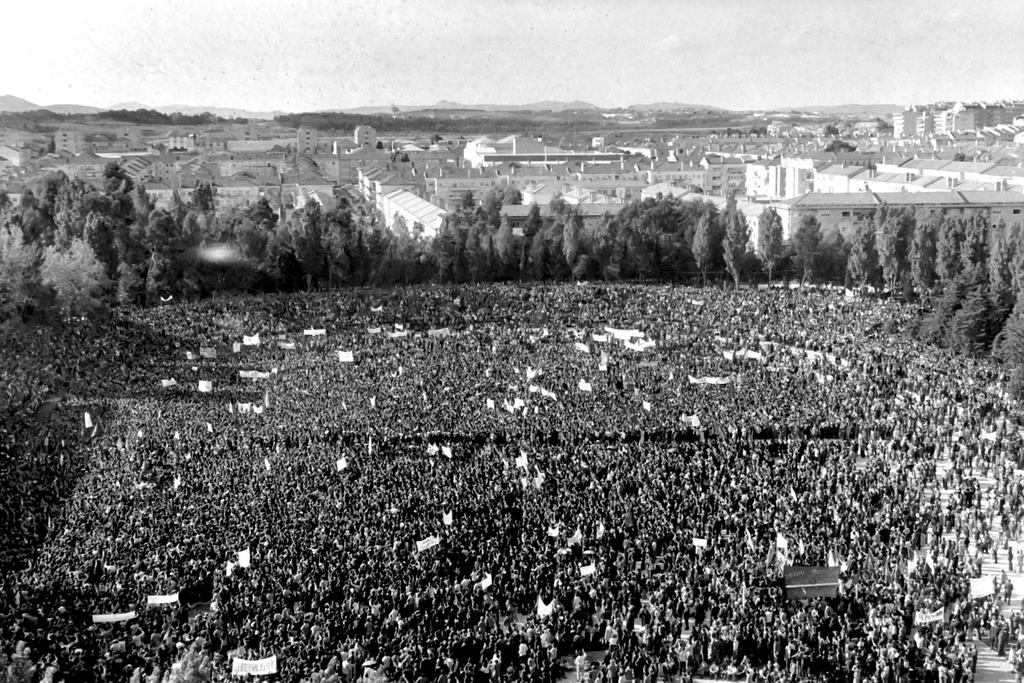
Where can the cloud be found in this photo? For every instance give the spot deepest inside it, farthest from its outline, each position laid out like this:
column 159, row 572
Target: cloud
column 668, row 43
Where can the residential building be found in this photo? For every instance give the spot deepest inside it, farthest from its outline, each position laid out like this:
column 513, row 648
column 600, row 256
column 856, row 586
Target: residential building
column 725, row 175
column 306, row 140
column 848, row 210
column 837, row 177
column 765, row 179
column 484, row 152
column 70, row 140
column 365, row 136
column 904, row 124
column 412, row 210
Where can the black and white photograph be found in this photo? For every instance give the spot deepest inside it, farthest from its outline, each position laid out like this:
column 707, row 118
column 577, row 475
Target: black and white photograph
column 512, row 341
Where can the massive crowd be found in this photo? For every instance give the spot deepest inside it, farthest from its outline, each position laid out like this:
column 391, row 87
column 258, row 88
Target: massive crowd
column 504, row 479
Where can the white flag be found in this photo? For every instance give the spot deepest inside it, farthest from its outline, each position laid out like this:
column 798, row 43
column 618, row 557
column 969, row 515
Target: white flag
column 167, row 383
column 576, row 538
column 588, row 570
column 545, row 610
column 647, row 406
column 314, row 332
column 531, row 373
column 603, row 338
column 585, row 385
column 341, row 463
column 447, row 451
column 229, row 568
column 486, row 582
column 88, row 421
column 236, row 347
column 522, row 461
column 205, row 386
column 266, row 463
column 244, row 558
column 447, row 518
column 600, row 529
column 162, row 599
column 209, row 427
column 346, row 357
column 700, row 542
column 982, row 587
column 373, row 401
column 177, row 482
column 257, row 409
column 581, row 347
column 251, row 341
column 287, row 346
column 781, row 543
column 490, row 404
column 553, row 531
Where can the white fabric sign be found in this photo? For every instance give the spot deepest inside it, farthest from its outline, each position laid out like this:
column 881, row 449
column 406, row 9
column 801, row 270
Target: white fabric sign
column 88, row 421
column 314, row 332
column 244, row 558
column 981, row 587
column 585, row 385
column 287, row 346
column 588, row 570
column 251, row 341
column 427, row 543
column 113, row 618
column 700, row 542
column 602, row 338
column 581, row 347
column 168, row 383
column 545, row 610
column 346, row 357
column 253, row 667
column 205, row 386
column 162, row 599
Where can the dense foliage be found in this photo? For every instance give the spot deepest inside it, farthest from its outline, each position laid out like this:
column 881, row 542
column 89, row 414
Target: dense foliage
column 71, row 248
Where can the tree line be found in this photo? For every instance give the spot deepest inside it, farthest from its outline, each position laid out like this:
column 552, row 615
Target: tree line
column 69, row 248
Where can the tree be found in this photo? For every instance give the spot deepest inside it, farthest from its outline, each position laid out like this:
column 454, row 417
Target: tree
column 737, row 234
column 770, row 245
column 806, row 240
column 19, row 270
column 894, row 240
column 702, row 246
column 76, row 277
column 538, row 257
column 832, row 129
column 950, row 237
column 863, row 261
column 923, row 255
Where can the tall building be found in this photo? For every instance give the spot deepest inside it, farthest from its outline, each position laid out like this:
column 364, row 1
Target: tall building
column 70, row 140
column 365, row 136
column 305, row 140
column 904, row 124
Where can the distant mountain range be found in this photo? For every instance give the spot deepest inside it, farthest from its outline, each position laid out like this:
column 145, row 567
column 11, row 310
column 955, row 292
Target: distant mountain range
column 10, row 103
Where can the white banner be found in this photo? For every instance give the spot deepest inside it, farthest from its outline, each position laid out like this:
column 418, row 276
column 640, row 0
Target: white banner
column 398, row 335
column 346, row 357
column 287, row 346
column 522, row 462
column 603, row 338
column 623, row 334
column 691, row 420
column 447, row 518
column 244, row 558
column 168, row 383
column 342, row 463
column 205, row 386
column 486, row 582
column 581, row 347
column 236, row 347
column 588, row 570
column 982, row 587
column 376, row 309
column 545, row 610
column 700, row 542
column 88, row 421
column 373, row 330
column 251, row 341
column 921, row 618
column 647, row 406
column 162, row 599
column 207, row 352
column 427, row 543
column 440, row 332
column 314, row 332
column 553, row 531
column 585, row 385
column 709, row 380
column 253, row 667
column 113, row 618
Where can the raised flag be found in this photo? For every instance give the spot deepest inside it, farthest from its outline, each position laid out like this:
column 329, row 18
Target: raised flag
column 205, row 386
column 88, row 421
column 581, row 347
column 346, row 357
column 168, row 383
column 207, row 352
column 602, row 338
column 600, row 529
column 287, row 346
column 700, row 542
column 236, row 347
column 647, row 406
column 177, row 482
column 253, row 667
column 545, row 610
column 440, row 332
column 486, row 582
column 490, row 404
column 209, row 427
column 254, row 340
column 553, row 531
column 531, row 373
column 266, row 463
column 314, row 332
column 588, row 570
column 585, row 385
column 446, row 451
column 576, row 538
column 522, row 461
column 244, row 558
column 373, row 401
column 341, row 463
column 447, row 518
column 780, row 542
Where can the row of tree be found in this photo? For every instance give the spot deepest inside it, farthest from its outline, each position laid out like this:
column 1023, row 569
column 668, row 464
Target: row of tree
column 69, row 247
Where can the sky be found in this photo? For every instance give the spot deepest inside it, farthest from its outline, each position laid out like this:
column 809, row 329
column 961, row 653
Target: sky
column 331, row 54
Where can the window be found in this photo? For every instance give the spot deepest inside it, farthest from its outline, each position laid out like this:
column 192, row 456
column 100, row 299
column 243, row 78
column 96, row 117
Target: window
column 846, row 214
column 1016, row 212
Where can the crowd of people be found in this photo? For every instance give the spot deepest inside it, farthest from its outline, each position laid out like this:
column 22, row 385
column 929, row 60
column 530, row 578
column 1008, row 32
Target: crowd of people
column 500, row 480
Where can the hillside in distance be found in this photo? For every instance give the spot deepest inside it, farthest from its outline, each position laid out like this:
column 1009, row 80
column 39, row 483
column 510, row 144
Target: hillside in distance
column 448, row 105
column 672, row 106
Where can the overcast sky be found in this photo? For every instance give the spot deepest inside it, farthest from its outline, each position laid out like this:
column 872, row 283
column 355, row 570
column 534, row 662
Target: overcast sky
column 325, row 54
